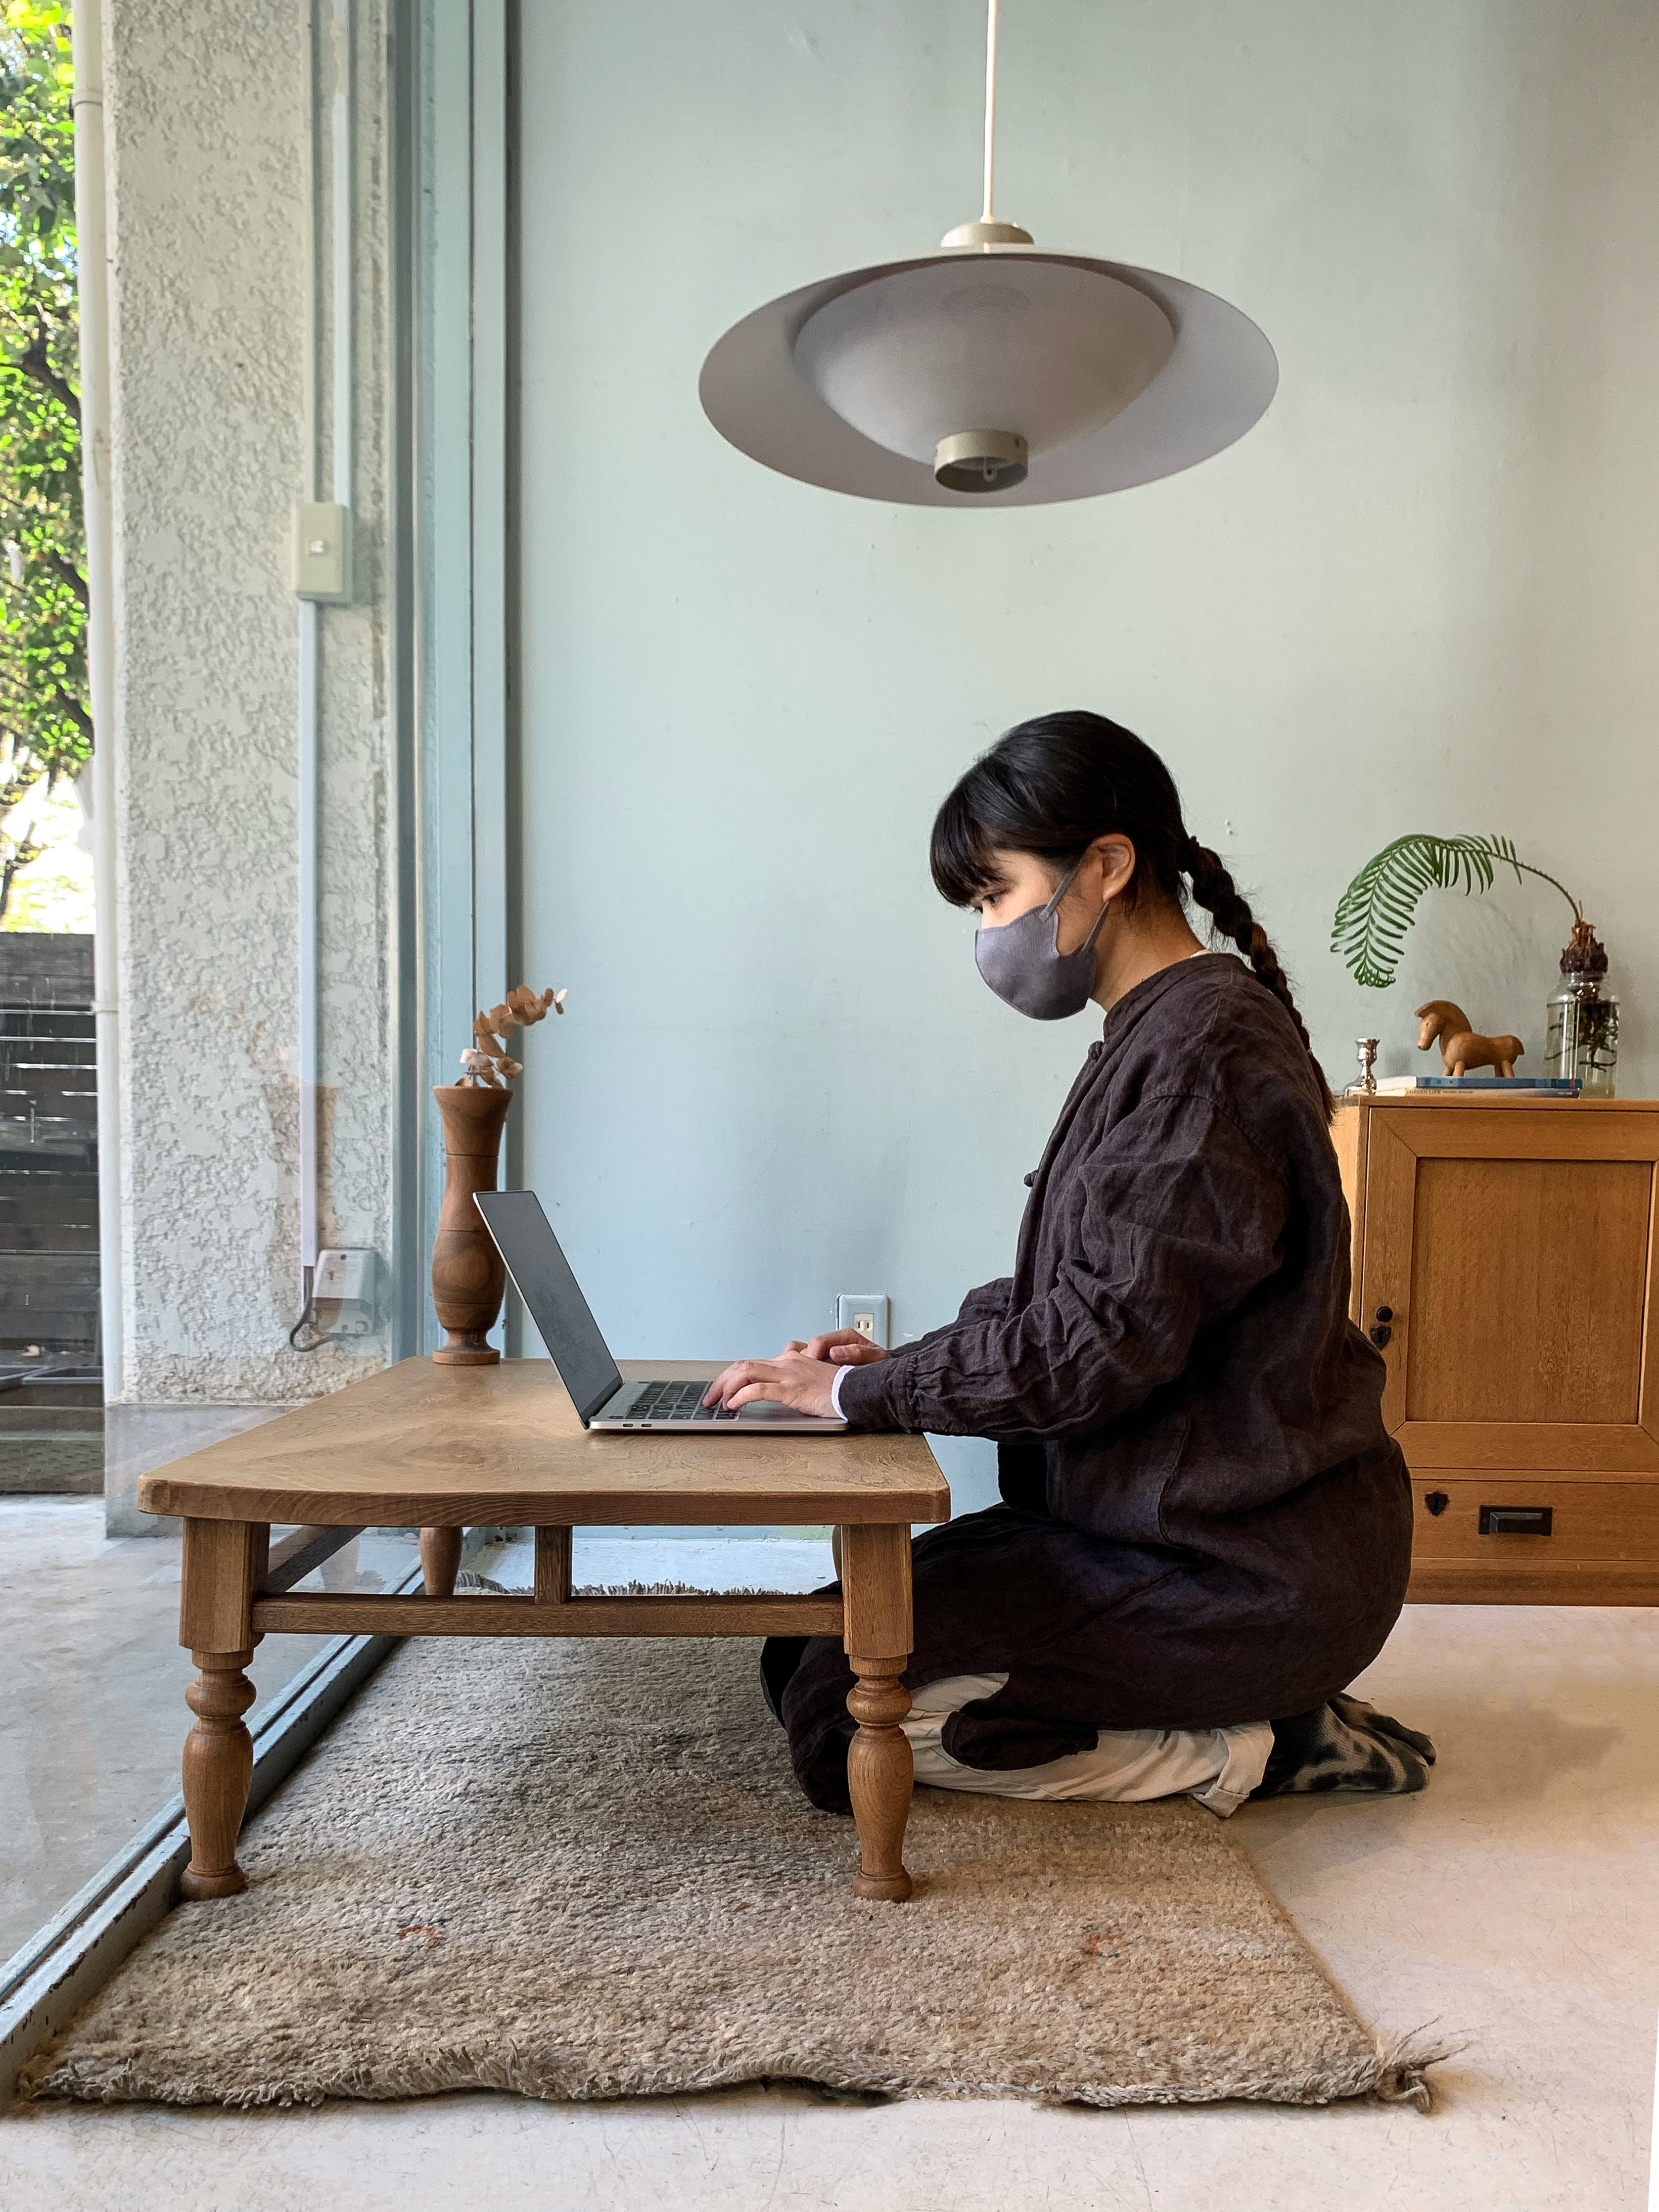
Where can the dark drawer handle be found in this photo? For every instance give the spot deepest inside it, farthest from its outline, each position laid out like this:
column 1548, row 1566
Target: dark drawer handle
column 1380, row 1334
column 1516, row 1520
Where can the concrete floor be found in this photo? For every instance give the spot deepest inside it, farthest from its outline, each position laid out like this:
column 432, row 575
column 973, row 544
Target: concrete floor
column 91, row 1692
column 1514, row 1904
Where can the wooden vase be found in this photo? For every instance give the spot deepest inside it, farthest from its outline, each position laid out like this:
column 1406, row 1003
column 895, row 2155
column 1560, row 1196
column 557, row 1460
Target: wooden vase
column 468, row 1278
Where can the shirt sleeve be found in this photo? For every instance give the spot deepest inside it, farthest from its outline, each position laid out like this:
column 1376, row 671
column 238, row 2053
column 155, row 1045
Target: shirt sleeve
column 982, row 1304
column 1174, row 1219
column 989, row 1298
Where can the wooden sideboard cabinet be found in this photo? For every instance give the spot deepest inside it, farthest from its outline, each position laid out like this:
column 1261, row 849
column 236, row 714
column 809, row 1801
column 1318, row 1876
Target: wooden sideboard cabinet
column 1504, row 1264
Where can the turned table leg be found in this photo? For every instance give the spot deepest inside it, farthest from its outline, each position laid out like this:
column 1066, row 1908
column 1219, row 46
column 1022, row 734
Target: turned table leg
column 224, row 1561
column 218, row 1768
column 880, row 1773
column 441, row 1559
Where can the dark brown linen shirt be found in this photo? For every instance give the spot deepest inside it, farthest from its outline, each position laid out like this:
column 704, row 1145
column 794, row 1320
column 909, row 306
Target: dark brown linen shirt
column 1204, row 1519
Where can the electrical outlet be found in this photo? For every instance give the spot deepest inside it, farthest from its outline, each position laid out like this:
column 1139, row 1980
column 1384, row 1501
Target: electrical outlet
column 345, row 1292
column 867, row 1312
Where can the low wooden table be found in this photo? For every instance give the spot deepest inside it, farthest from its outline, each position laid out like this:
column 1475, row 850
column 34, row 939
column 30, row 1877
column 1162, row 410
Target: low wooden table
column 446, row 1449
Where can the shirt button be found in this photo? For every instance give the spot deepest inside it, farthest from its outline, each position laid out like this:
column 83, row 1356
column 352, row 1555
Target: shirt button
column 1094, row 1052
column 1029, row 1180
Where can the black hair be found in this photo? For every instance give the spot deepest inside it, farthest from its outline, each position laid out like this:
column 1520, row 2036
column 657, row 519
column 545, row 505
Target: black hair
column 1051, row 787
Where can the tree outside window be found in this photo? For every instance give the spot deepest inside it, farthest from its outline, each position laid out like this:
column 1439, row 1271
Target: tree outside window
column 45, row 724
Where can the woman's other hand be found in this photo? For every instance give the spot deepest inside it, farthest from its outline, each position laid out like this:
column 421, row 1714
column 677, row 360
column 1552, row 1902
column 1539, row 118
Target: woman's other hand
column 842, row 1347
column 804, row 1385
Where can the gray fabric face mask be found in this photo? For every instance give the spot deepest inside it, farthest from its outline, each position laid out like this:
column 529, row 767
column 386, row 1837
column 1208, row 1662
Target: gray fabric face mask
column 1023, row 964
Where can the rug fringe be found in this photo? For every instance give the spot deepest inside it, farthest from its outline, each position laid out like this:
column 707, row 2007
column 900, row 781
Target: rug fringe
column 1399, row 2076
column 1402, row 2067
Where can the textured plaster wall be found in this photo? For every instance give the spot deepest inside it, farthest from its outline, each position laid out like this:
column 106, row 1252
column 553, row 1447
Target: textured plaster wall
column 207, row 121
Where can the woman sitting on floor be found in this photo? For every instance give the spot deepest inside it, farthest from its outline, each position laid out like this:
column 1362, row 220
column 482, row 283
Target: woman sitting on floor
column 1204, row 1526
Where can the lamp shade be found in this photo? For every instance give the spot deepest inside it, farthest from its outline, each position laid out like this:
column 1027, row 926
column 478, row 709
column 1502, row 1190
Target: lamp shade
column 1033, row 375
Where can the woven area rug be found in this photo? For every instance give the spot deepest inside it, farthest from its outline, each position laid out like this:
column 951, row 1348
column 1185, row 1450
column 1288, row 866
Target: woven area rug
column 582, row 1870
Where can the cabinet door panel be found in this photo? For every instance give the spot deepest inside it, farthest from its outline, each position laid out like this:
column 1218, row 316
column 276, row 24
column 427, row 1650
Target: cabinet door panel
column 1527, row 1290
column 1513, row 1251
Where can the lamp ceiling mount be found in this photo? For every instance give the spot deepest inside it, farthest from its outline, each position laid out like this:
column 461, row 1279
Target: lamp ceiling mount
column 984, row 232
column 987, row 231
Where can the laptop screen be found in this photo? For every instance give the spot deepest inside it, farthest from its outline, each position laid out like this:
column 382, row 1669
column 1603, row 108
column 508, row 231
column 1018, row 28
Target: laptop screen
column 524, row 1237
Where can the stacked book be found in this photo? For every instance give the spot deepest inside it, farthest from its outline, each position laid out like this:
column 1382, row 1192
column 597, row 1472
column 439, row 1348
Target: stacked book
column 1545, row 1086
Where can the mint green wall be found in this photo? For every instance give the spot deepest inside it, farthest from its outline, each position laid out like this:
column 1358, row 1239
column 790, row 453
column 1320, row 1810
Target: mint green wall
column 1420, row 595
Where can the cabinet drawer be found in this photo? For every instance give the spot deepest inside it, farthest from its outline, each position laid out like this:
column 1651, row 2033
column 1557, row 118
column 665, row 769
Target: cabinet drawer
column 1610, row 1522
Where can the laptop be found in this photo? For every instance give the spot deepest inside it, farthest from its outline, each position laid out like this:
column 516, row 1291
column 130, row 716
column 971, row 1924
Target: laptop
column 524, row 1236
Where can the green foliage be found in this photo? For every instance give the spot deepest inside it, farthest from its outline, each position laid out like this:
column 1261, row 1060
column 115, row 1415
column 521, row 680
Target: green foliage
column 45, row 728
column 1380, row 904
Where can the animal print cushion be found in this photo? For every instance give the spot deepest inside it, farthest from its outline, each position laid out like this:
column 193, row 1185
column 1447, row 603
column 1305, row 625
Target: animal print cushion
column 1345, row 1745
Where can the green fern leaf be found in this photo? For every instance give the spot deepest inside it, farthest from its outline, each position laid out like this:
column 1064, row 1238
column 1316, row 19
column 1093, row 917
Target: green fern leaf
column 1380, row 905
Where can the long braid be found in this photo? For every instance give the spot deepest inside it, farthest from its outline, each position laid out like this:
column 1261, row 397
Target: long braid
column 1214, row 889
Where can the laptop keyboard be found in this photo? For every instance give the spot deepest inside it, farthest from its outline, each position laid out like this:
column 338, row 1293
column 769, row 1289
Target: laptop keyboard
column 676, row 1401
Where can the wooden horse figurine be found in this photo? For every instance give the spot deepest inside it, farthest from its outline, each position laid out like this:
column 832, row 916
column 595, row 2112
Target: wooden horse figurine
column 1461, row 1047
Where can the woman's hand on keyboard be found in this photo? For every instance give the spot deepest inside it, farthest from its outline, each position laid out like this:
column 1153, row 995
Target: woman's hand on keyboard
column 802, row 1384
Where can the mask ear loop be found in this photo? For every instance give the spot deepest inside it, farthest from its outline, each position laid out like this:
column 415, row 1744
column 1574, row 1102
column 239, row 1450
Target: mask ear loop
column 1088, row 943
column 1053, row 908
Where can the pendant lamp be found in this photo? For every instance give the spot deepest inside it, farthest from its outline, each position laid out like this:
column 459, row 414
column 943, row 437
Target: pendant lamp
column 995, row 371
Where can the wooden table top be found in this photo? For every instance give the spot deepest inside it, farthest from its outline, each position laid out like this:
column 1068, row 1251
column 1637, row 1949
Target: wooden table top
column 419, row 1445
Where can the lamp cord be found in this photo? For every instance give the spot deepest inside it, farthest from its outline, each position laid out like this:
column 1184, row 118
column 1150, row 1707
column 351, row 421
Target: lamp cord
column 990, row 111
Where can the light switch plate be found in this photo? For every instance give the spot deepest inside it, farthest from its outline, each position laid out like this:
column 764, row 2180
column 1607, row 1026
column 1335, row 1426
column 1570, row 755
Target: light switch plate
column 867, row 1311
column 320, row 553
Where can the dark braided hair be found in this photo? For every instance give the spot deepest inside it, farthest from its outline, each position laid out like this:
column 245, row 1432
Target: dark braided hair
column 1051, row 787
